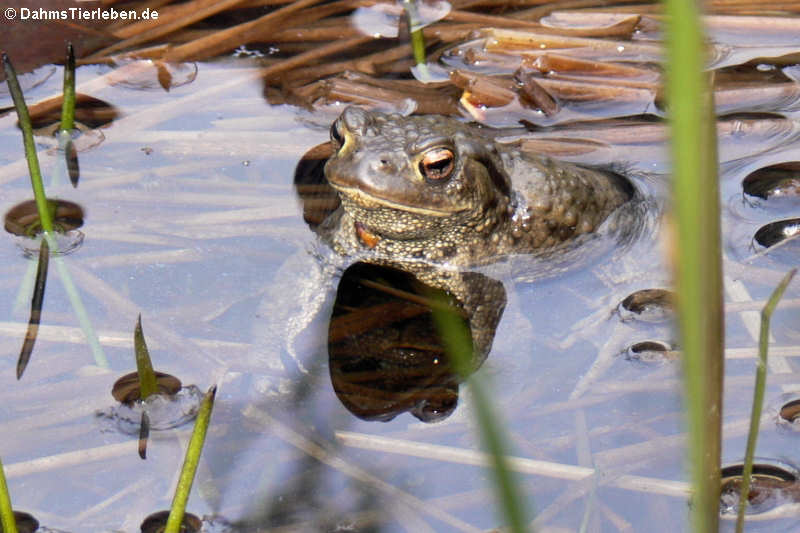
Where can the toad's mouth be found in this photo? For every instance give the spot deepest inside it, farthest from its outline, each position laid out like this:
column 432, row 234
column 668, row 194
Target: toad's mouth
column 368, row 201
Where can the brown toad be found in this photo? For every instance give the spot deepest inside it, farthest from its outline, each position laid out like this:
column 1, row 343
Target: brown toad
column 434, row 189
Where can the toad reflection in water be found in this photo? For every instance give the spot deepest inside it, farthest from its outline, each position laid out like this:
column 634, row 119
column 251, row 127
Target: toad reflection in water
column 385, row 353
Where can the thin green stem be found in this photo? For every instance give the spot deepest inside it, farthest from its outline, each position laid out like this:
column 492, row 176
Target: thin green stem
column 6, row 512
column 417, row 39
column 758, row 395
column 30, row 148
column 68, row 100
column 144, row 366
column 190, row 463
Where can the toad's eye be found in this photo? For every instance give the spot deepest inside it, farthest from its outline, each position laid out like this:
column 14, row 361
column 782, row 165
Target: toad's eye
column 336, row 135
column 437, row 164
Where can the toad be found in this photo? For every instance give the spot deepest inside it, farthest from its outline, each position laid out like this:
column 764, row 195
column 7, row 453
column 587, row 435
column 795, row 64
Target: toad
column 439, row 191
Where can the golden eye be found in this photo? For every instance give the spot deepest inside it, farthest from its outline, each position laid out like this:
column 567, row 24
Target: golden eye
column 437, row 164
column 336, row 135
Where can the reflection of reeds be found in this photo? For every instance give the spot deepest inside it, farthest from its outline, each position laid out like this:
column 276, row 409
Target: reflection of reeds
column 36, row 308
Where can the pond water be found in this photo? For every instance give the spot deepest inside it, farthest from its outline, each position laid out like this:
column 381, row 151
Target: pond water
column 192, row 220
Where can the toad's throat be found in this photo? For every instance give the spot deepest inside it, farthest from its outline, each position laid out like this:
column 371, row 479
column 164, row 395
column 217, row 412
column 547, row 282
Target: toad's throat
column 368, row 201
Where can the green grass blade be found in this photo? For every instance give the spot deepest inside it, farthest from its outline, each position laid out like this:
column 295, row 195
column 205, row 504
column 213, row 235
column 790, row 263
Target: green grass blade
column 6, row 512
column 30, row 147
column 190, row 463
column 68, row 99
column 758, row 394
column 144, row 367
column 698, row 264
column 458, row 344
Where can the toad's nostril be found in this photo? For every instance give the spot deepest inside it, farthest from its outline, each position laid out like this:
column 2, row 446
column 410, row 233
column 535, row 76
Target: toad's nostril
column 383, row 164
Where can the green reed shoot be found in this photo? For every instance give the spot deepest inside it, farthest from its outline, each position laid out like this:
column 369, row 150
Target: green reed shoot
column 758, row 394
column 144, row 366
column 6, row 512
column 30, row 148
column 414, row 29
column 458, row 343
column 65, row 144
column 68, row 97
column 46, row 209
column 698, row 263
column 190, row 463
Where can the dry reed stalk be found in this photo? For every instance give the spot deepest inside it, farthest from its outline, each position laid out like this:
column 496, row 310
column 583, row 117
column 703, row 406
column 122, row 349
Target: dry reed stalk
column 623, row 28
column 247, row 4
column 585, row 90
column 318, row 32
column 234, row 36
column 537, row 13
column 313, row 55
column 531, row 94
column 556, row 147
column 652, row 86
column 484, row 90
column 158, row 5
column 178, row 37
column 532, row 43
column 567, row 65
column 381, row 62
column 145, row 31
column 338, row 89
column 490, row 20
column 452, row 454
column 587, row 19
column 771, row 30
column 368, row 64
column 772, row 97
column 317, row 16
column 632, row 9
